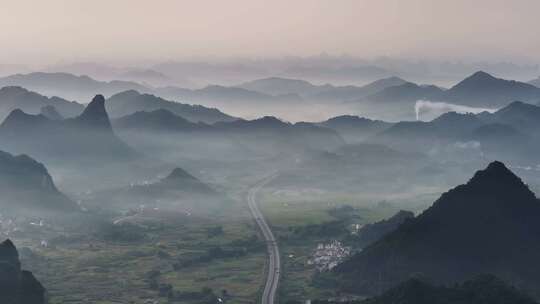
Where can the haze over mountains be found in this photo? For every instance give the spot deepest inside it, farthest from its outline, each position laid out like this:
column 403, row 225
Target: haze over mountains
column 142, row 152
column 272, row 152
column 390, row 98
column 67, row 85
column 68, row 145
column 66, row 139
column 227, row 140
column 15, row 97
column 484, row 90
column 145, row 120
column 129, row 102
column 508, row 133
column 177, row 192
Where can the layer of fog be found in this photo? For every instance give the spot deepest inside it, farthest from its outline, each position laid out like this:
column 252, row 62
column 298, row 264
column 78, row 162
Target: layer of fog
column 428, row 110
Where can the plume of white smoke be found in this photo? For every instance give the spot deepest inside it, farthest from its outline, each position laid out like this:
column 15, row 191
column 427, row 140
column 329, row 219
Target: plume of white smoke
column 427, row 110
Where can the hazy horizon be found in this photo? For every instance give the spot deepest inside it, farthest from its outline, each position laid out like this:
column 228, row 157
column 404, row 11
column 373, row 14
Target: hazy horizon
column 119, row 32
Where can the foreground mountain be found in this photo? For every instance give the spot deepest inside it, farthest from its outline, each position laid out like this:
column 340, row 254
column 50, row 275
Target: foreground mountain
column 27, row 187
column 482, row 289
column 129, row 102
column 13, row 97
column 17, row 286
column 488, row 225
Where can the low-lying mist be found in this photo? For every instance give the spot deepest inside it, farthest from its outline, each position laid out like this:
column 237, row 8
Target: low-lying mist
column 427, row 110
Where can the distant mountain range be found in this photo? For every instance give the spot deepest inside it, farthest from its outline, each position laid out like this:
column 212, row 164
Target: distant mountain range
column 68, row 86
column 348, row 73
column 310, row 92
column 83, row 88
column 273, row 135
column 407, row 92
column 221, row 94
column 28, row 189
column 17, row 286
column 284, row 86
column 478, row 90
column 241, row 138
column 12, row 98
column 488, row 225
column 161, row 120
column 390, row 97
column 355, row 129
column 483, row 90
column 129, row 102
column 104, row 72
column 508, row 133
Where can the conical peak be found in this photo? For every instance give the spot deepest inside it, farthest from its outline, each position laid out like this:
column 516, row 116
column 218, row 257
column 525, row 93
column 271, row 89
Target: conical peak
column 495, row 169
column 95, row 114
column 496, row 179
column 179, row 173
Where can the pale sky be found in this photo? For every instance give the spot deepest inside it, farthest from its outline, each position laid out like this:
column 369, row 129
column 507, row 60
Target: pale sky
column 48, row 31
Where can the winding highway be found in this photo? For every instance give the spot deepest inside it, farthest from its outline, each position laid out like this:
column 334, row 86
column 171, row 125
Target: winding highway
column 274, row 264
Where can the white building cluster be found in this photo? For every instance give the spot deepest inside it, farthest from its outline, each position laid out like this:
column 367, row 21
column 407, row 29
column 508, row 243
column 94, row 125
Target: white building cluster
column 328, row 256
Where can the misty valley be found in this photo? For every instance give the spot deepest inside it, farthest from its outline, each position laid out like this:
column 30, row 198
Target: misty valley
column 269, row 152
column 137, row 198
